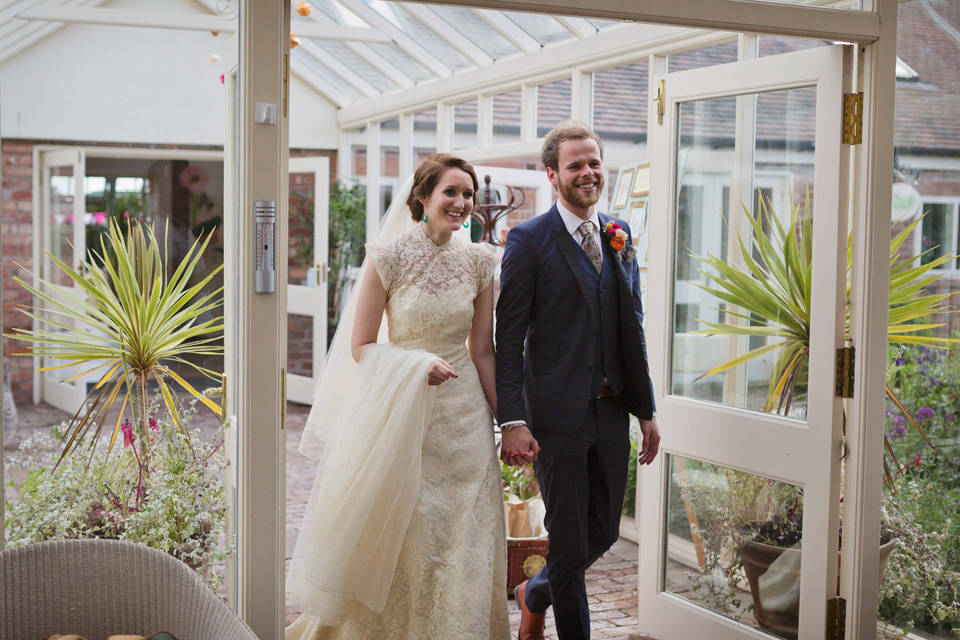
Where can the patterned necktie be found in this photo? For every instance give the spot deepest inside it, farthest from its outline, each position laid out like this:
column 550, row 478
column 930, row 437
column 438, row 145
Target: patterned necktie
column 590, row 246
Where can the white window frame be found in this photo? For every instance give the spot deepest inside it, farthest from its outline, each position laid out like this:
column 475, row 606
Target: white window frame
column 950, row 271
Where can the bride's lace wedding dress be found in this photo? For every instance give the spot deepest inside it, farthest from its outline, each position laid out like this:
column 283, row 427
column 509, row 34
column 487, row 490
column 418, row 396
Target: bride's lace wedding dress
column 450, row 580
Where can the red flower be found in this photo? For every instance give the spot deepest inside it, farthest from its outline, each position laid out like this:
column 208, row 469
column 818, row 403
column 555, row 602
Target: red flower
column 127, row 430
column 617, row 243
column 194, row 179
column 153, row 425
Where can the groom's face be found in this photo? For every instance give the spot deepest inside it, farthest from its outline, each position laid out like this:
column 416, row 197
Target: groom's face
column 579, row 177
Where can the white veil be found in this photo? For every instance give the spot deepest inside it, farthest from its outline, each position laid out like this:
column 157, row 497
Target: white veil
column 366, row 427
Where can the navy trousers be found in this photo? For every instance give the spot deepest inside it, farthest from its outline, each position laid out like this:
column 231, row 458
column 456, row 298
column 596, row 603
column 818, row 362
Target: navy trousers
column 583, row 478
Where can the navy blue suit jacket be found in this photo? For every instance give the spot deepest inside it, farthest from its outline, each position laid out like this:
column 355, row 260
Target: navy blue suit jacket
column 546, row 329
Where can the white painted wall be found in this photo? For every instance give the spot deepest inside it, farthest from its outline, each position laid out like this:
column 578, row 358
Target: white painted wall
column 133, row 84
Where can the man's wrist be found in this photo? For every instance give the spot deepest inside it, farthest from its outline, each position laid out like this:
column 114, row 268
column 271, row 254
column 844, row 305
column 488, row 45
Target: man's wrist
column 513, row 424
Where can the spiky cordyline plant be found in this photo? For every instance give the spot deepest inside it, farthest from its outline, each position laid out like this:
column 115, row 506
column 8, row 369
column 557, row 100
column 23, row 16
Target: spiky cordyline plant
column 130, row 320
column 772, row 296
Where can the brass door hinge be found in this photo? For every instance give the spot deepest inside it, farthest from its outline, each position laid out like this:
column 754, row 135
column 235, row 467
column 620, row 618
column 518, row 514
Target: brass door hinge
column 286, row 83
column 843, row 372
column 852, row 118
column 661, row 100
column 836, row 618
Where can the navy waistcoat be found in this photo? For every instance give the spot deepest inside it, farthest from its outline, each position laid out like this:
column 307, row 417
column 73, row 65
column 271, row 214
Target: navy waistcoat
column 605, row 296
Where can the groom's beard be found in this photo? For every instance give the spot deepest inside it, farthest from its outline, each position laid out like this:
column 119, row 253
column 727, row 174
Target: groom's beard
column 574, row 196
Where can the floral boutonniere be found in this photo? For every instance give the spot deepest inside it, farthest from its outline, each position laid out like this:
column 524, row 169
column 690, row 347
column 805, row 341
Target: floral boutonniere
column 618, row 242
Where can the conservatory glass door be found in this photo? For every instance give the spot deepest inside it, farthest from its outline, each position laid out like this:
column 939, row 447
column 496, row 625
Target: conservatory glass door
column 747, row 284
column 307, row 275
column 62, row 222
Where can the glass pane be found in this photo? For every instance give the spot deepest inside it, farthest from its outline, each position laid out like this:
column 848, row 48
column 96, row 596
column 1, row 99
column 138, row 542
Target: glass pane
column 469, row 25
column 300, row 250
column 936, row 235
column 351, row 60
column 544, row 28
column 424, row 135
column 733, row 544
column 757, row 321
column 465, row 125
column 60, row 194
column 300, row 345
column 553, row 105
column 706, row 57
column 506, row 117
column 774, row 45
column 620, row 103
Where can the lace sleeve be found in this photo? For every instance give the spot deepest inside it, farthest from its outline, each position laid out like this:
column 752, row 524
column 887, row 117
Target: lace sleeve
column 385, row 262
column 486, row 265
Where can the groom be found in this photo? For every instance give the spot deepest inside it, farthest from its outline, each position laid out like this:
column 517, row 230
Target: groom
column 571, row 366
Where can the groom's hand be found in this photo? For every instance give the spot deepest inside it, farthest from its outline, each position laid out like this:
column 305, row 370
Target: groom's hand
column 650, row 444
column 518, row 446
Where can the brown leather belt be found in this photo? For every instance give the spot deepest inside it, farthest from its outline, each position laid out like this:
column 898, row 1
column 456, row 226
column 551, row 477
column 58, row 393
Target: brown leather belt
column 606, row 391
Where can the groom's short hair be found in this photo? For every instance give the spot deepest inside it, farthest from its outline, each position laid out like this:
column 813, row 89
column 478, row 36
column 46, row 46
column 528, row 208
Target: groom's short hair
column 566, row 130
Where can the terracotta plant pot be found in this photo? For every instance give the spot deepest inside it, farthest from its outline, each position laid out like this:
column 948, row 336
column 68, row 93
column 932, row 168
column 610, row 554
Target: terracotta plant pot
column 782, row 590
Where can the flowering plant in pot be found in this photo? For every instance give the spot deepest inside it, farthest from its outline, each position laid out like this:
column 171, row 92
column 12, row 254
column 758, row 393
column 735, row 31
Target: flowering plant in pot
column 180, row 507
column 768, row 295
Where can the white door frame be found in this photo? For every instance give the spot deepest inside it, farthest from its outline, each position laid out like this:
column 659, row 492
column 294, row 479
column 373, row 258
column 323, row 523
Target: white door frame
column 762, row 444
column 311, row 299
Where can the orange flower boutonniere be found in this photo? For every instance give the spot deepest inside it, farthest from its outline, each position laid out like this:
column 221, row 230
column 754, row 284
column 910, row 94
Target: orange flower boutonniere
column 618, row 240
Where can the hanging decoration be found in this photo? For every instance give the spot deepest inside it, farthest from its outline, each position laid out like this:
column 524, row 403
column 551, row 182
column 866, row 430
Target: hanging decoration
column 304, row 8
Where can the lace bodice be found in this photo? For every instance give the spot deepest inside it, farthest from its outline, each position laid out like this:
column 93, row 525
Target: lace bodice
column 431, row 289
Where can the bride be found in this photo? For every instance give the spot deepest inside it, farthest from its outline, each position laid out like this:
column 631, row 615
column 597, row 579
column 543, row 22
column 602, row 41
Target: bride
column 404, row 535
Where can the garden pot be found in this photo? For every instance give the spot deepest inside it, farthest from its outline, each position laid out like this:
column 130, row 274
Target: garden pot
column 776, row 597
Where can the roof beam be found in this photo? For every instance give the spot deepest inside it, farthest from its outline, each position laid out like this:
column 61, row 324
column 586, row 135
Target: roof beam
column 579, row 27
column 509, row 30
column 407, row 44
column 448, row 33
column 189, row 21
column 726, row 15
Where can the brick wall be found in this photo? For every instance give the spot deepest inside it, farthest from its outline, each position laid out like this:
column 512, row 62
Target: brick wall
column 17, row 223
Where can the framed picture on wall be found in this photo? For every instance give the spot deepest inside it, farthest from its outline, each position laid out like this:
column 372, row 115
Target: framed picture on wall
column 622, row 193
column 641, row 181
column 638, row 219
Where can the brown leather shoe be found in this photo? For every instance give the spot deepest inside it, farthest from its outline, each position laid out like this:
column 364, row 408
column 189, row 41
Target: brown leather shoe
column 531, row 624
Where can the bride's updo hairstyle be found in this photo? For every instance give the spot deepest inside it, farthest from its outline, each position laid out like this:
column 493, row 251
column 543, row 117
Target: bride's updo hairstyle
column 427, row 176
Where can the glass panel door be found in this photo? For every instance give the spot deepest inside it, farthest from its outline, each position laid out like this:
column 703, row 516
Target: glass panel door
column 62, row 222
column 747, row 282
column 307, row 275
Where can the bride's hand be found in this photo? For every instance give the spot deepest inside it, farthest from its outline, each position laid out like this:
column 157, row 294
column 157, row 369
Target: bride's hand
column 440, row 372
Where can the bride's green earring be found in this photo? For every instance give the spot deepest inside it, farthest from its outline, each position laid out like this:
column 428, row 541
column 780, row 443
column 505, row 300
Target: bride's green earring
column 424, row 217
column 466, row 223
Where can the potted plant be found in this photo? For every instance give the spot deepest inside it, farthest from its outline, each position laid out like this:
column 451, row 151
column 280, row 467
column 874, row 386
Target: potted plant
column 179, row 508
column 137, row 321
column 769, row 295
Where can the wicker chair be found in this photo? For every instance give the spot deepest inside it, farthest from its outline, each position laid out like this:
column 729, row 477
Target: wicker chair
column 97, row 588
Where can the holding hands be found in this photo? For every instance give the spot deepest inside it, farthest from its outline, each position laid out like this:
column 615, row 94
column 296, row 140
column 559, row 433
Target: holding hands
column 518, row 446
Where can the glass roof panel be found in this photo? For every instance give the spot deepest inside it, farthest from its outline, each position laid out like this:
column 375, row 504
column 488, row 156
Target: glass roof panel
column 544, row 28
column 408, row 65
column 339, row 51
column 330, row 77
column 338, row 13
column 482, row 34
column 425, row 37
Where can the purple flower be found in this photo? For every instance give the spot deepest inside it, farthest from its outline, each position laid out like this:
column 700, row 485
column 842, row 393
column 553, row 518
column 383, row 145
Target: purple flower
column 901, row 361
column 924, row 413
column 899, row 420
column 900, row 431
column 950, row 417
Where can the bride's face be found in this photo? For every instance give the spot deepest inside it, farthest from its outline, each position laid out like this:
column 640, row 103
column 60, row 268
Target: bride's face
column 450, row 202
